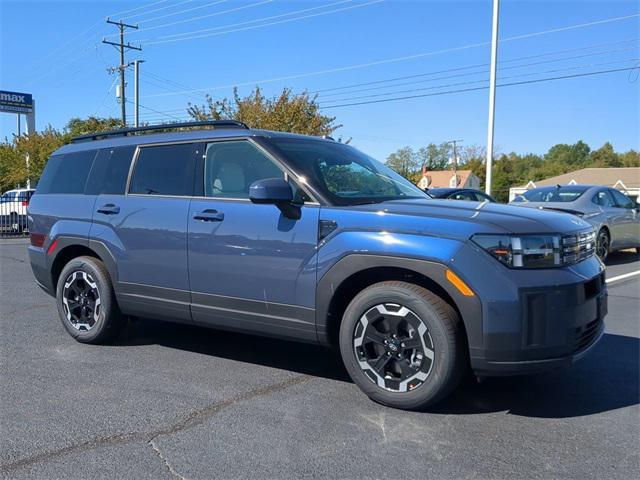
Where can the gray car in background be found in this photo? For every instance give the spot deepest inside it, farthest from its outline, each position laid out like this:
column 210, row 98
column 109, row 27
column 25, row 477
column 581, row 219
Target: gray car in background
column 614, row 216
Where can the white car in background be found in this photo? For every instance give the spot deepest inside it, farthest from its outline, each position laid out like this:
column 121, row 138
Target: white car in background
column 13, row 208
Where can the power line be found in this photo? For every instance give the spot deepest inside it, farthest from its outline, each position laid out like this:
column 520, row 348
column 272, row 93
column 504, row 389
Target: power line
column 231, row 10
column 157, row 9
column 182, row 12
column 390, row 60
column 478, row 72
column 156, row 111
column 279, row 22
column 486, row 64
column 249, row 22
column 117, row 14
column 565, row 69
column 449, row 92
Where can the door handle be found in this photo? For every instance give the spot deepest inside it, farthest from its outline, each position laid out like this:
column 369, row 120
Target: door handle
column 209, row 216
column 109, row 209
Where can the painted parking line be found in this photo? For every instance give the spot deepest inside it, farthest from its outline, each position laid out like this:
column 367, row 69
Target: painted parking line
column 622, row 277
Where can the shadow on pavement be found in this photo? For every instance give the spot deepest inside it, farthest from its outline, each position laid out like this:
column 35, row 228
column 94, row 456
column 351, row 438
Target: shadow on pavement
column 298, row 357
column 608, row 378
column 622, row 257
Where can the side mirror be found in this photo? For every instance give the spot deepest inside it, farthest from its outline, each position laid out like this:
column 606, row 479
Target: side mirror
column 276, row 191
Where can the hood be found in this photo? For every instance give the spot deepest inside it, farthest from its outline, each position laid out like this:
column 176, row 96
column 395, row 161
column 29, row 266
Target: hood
column 457, row 217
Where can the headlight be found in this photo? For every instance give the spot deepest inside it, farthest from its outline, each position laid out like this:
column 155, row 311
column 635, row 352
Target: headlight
column 538, row 251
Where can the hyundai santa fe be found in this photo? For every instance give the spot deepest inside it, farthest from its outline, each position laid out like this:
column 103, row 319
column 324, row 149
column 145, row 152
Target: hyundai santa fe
column 308, row 239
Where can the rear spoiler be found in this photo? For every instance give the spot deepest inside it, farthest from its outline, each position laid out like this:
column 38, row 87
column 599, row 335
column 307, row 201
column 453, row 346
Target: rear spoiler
column 563, row 210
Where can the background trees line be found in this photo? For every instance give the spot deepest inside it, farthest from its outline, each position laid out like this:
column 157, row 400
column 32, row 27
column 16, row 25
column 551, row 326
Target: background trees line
column 511, row 169
column 300, row 113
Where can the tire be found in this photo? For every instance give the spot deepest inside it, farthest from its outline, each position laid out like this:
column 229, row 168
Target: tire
column 603, row 244
column 86, row 301
column 14, row 220
column 424, row 321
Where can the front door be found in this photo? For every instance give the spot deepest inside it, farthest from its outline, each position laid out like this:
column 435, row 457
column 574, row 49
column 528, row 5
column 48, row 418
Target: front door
column 250, row 266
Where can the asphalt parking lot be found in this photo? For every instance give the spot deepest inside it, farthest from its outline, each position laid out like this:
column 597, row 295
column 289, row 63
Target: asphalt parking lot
column 169, row 401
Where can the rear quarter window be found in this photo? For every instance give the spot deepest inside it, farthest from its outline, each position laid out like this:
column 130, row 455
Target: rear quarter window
column 66, row 173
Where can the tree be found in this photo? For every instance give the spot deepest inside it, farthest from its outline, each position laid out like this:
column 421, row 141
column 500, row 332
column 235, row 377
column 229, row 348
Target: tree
column 404, row 161
column 78, row 126
column 605, row 156
column 285, row 112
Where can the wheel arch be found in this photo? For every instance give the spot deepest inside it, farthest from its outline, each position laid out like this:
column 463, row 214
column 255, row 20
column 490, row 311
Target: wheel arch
column 355, row 272
column 69, row 248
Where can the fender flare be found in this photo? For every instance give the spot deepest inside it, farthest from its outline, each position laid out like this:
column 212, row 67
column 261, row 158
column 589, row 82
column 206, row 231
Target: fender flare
column 470, row 308
column 100, row 249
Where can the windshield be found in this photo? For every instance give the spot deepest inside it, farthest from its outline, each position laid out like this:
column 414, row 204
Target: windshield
column 554, row 194
column 343, row 174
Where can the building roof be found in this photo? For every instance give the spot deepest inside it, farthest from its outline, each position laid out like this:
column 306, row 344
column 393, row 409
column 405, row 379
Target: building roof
column 629, row 176
column 442, row 178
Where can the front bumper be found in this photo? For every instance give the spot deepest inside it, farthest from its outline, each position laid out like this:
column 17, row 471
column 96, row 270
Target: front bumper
column 557, row 325
column 532, row 320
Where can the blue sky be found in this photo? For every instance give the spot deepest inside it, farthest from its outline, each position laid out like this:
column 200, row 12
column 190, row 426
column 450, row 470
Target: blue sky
column 52, row 49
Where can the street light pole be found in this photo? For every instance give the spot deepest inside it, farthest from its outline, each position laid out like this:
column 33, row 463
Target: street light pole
column 492, row 93
column 136, row 92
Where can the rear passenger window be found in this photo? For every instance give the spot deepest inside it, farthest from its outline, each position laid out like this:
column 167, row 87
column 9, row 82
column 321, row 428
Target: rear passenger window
column 110, row 171
column 164, row 170
column 66, row 173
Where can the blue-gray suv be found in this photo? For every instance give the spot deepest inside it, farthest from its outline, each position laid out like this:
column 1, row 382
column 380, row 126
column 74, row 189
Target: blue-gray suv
column 309, row 239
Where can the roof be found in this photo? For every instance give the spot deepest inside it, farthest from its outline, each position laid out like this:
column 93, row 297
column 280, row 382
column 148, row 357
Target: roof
column 177, row 136
column 629, row 176
column 442, row 178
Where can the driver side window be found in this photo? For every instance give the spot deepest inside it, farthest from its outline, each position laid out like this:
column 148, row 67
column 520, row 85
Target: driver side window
column 622, row 201
column 603, row 199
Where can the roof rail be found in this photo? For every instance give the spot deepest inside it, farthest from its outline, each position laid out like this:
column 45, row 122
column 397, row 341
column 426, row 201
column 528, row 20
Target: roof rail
column 167, row 126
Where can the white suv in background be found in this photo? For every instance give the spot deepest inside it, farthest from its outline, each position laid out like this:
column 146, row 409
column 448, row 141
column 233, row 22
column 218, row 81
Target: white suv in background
column 13, row 208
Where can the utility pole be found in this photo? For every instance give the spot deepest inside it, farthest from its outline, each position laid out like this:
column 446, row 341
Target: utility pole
column 122, row 67
column 18, row 124
column 136, row 92
column 492, row 93
column 455, row 158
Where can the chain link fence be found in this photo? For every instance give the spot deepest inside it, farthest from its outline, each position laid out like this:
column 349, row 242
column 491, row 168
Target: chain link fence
column 13, row 213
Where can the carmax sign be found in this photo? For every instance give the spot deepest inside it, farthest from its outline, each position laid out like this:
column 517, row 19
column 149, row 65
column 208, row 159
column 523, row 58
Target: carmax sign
column 16, row 102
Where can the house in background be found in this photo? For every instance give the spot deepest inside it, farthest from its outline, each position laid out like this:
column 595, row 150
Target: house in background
column 626, row 180
column 448, row 179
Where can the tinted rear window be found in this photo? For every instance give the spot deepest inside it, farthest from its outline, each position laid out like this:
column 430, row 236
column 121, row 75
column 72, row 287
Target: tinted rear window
column 164, row 170
column 66, row 173
column 554, row 194
column 110, row 171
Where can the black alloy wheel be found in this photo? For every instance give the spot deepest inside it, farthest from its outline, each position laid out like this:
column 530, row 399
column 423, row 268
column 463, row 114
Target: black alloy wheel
column 393, row 347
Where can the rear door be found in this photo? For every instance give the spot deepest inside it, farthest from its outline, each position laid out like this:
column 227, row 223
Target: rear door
column 250, row 266
column 612, row 215
column 145, row 226
column 629, row 218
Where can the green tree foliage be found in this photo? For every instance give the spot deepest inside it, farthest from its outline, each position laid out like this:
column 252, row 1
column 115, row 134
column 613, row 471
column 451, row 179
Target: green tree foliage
column 78, row 126
column 39, row 146
column 510, row 170
column 286, row 112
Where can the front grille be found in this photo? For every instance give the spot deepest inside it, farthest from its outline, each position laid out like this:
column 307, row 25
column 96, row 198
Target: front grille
column 576, row 248
column 586, row 334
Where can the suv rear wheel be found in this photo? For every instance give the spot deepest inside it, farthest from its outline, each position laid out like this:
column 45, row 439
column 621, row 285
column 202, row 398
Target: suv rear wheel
column 86, row 301
column 402, row 345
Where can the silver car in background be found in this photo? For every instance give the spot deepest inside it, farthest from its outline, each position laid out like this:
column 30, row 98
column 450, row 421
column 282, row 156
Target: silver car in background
column 614, row 216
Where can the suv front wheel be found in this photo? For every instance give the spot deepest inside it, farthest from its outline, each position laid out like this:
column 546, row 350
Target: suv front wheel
column 86, row 301
column 402, row 345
